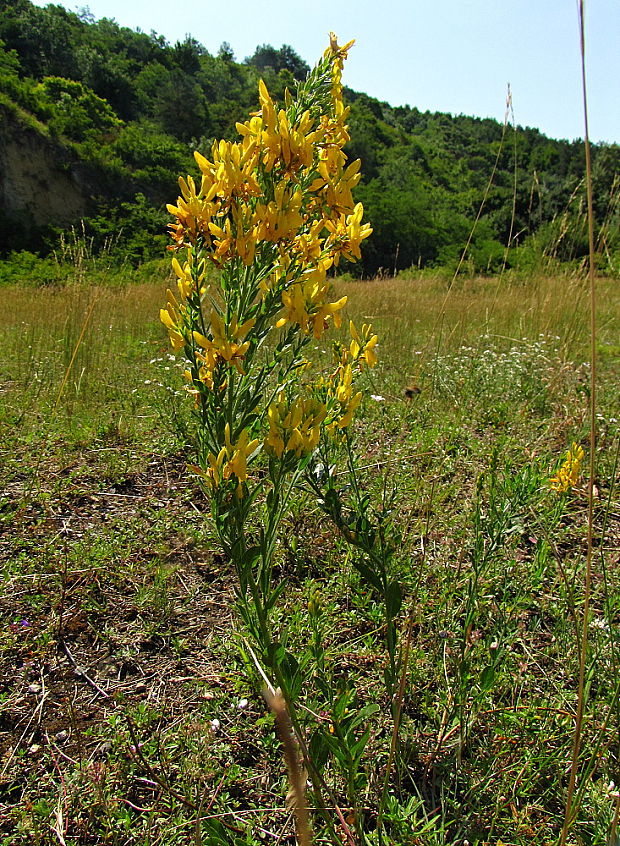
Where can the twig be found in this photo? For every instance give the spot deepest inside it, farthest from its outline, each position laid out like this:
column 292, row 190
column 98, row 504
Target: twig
column 37, row 711
column 81, row 672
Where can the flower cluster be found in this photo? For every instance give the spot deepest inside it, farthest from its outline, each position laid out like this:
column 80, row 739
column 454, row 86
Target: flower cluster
column 338, row 390
column 282, row 195
column 227, row 345
column 254, row 240
column 568, row 474
column 361, row 350
column 231, row 461
column 294, row 427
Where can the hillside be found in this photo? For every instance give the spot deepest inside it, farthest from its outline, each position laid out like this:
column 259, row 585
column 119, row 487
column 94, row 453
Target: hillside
column 95, row 115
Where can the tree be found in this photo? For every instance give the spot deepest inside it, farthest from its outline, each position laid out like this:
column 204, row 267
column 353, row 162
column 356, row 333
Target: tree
column 187, row 54
column 226, row 53
column 180, row 107
column 76, row 111
column 285, row 58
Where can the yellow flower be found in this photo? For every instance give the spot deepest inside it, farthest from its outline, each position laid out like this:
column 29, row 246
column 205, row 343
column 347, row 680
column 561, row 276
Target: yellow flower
column 339, row 51
column 185, row 277
column 232, row 171
column 333, row 184
column 173, row 321
column 306, row 302
column 232, row 461
column 568, row 475
column 340, row 388
column 280, row 219
column 227, row 343
column 339, row 54
column 347, row 234
column 194, row 211
column 295, row 428
column 362, row 347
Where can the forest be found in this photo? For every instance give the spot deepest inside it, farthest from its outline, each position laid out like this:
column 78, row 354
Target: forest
column 118, row 113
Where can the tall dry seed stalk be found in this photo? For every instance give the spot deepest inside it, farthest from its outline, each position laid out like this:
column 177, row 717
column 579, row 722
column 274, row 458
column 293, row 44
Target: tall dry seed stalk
column 296, row 799
column 570, row 810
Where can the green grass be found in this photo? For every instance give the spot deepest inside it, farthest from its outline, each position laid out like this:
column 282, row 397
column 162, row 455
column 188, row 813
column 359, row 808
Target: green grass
column 122, row 714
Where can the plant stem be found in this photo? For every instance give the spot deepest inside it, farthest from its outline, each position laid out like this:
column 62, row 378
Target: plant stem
column 570, row 811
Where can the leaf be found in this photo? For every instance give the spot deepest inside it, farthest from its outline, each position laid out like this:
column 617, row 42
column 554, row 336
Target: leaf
column 250, row 556
column 393, row 599
column 318, row 748
column 368, row 574
column 290, row 670
column 363, row 714
column 332, row 503
column 274, row 596
column 487, row 677
column 356, row 750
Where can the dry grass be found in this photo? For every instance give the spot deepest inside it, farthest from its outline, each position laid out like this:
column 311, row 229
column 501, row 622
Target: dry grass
column 422, row 309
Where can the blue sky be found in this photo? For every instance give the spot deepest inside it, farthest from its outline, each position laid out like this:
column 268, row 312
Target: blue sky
column 444, row 55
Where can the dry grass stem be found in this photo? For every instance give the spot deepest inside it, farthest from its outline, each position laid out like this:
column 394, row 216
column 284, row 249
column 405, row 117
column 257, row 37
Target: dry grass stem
column 296, row 798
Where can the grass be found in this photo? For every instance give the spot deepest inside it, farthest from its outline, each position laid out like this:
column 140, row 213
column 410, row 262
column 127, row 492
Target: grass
column 128, row 712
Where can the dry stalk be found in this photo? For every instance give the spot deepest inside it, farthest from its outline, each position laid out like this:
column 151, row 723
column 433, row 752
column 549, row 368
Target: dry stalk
column 296, row 797
column 75, row 352
column 570, row 808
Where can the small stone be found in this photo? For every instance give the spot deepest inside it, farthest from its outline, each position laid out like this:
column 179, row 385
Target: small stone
column 62, row 736
column 34, row 749
column 34, row 688
column 103, row 748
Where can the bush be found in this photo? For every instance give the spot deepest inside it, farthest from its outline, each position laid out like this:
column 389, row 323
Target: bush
column 76, row 111
column 26, row 268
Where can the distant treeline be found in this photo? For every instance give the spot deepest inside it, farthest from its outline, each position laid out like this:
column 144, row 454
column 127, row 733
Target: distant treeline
column 126, row 110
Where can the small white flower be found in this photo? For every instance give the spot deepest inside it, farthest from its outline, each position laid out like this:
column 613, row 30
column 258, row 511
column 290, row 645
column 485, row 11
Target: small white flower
column 215, row 724
column 377, row 398
column 242, row 704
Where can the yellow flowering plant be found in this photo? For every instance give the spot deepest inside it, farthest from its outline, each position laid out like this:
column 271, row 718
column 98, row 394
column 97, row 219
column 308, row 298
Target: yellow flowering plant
column 273, row 213
column 567, row 475
column 255, row 238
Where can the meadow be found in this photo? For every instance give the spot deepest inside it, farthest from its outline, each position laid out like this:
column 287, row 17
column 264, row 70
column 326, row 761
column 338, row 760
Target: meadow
column 130, row 707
